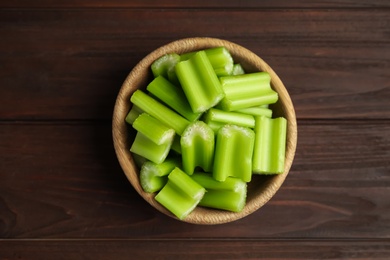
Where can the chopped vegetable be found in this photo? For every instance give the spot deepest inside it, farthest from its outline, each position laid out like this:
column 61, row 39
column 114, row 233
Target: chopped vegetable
column 165, row 66
column 133, row 114
column 197, row 147
column 181, row 194
column 199, row 82
column 256, row 111
column 238, row 69
column 247, row 90
column 226, row 117
column 233, row 153
column 173, row 97
column 148, row 149
column 153, row 129
column 159, row 111
column 270, row 145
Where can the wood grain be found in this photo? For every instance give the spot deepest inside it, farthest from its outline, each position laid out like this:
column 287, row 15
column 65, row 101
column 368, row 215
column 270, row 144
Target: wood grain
column 63, row 181
column 63, row 64
column 195, row 249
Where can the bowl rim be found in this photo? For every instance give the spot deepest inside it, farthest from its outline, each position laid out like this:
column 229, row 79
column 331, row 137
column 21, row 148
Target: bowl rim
column 122, row 106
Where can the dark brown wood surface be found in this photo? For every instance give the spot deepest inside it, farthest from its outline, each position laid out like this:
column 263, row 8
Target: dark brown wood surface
column 63, row 194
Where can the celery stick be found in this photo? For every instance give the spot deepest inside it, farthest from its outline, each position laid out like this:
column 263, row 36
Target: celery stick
column 133, row 114
column 148, row 149
column 247, row 90
column 197, row 147
column 226, row 117
column 159, row 111
column 199, row 82
column 181, row 194
column 165, row 64
column 233, row 153
column 138, row 160
column 153, row 129
column 227, row 195
column 270, row 145
column 238, row 69
column 154, row 176
column 215, row 125
column 256, row 111
column 220, row 59
column 172, row 96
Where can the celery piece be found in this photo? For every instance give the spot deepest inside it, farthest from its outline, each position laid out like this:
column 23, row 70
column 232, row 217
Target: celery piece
column 199, row 82
column 165, row 64
column 138, row 160
column 233, row 153
column 238, row 69
column 256, row 111
column 197, row 147
column 172, row 96
column 227, row 195
column 270, row 145
column 176, row 146
column 154, row 176
column 247, row 90
column 215, row 125
column 226, row 117
column 133, row 114
column 181, row 194
column 219, row 57
column 148, row 149
column 159, row 111
column 153, row 129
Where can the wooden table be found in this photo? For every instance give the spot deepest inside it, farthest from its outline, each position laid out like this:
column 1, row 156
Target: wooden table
column 63, row 194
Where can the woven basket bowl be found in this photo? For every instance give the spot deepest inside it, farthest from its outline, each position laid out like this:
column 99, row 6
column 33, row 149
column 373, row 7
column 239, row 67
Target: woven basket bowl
column 261, row 188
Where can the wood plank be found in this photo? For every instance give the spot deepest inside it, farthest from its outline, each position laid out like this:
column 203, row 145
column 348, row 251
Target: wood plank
column 194, row 4
column 195, row 249
column 66, row 64
column 63, row 181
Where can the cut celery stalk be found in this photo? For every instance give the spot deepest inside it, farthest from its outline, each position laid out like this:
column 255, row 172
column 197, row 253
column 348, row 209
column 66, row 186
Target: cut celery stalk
column 199, row 82
column 154, row 176
column 181, row 194
column 219, row 57
column 247, row 90
column 197, row 147
column 270, row 145
column 256, row 111
column 215, row 125
column 165, row 64
column 233, row 153
column 227, row 195
column 148, row 149
column 159, row 111
column 138, row 160
column 226, row 117
column 153, row 129
column 172, row 96
column 238, row 69
column 133, row 114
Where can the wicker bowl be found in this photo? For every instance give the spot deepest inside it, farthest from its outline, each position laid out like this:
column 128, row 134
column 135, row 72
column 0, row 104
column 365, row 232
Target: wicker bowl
column 261, row 188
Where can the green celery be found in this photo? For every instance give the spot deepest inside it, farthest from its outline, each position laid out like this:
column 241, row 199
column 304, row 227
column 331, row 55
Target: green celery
column 172, row 96
column 219, row 57
column 233, row 153
column 215, row 125
column 197, row 147
column 270, row 145
column 199, row 82
column 133, row 114
column 165, row 65
column 138, row 160
column 153, row 129
column 154, row 176
column 159, row 111
column 238, row 69
column 247, row 90
column 227, row 195
column 148, row 149
column 256, row 111
column 226, row 117
column 181, row 194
